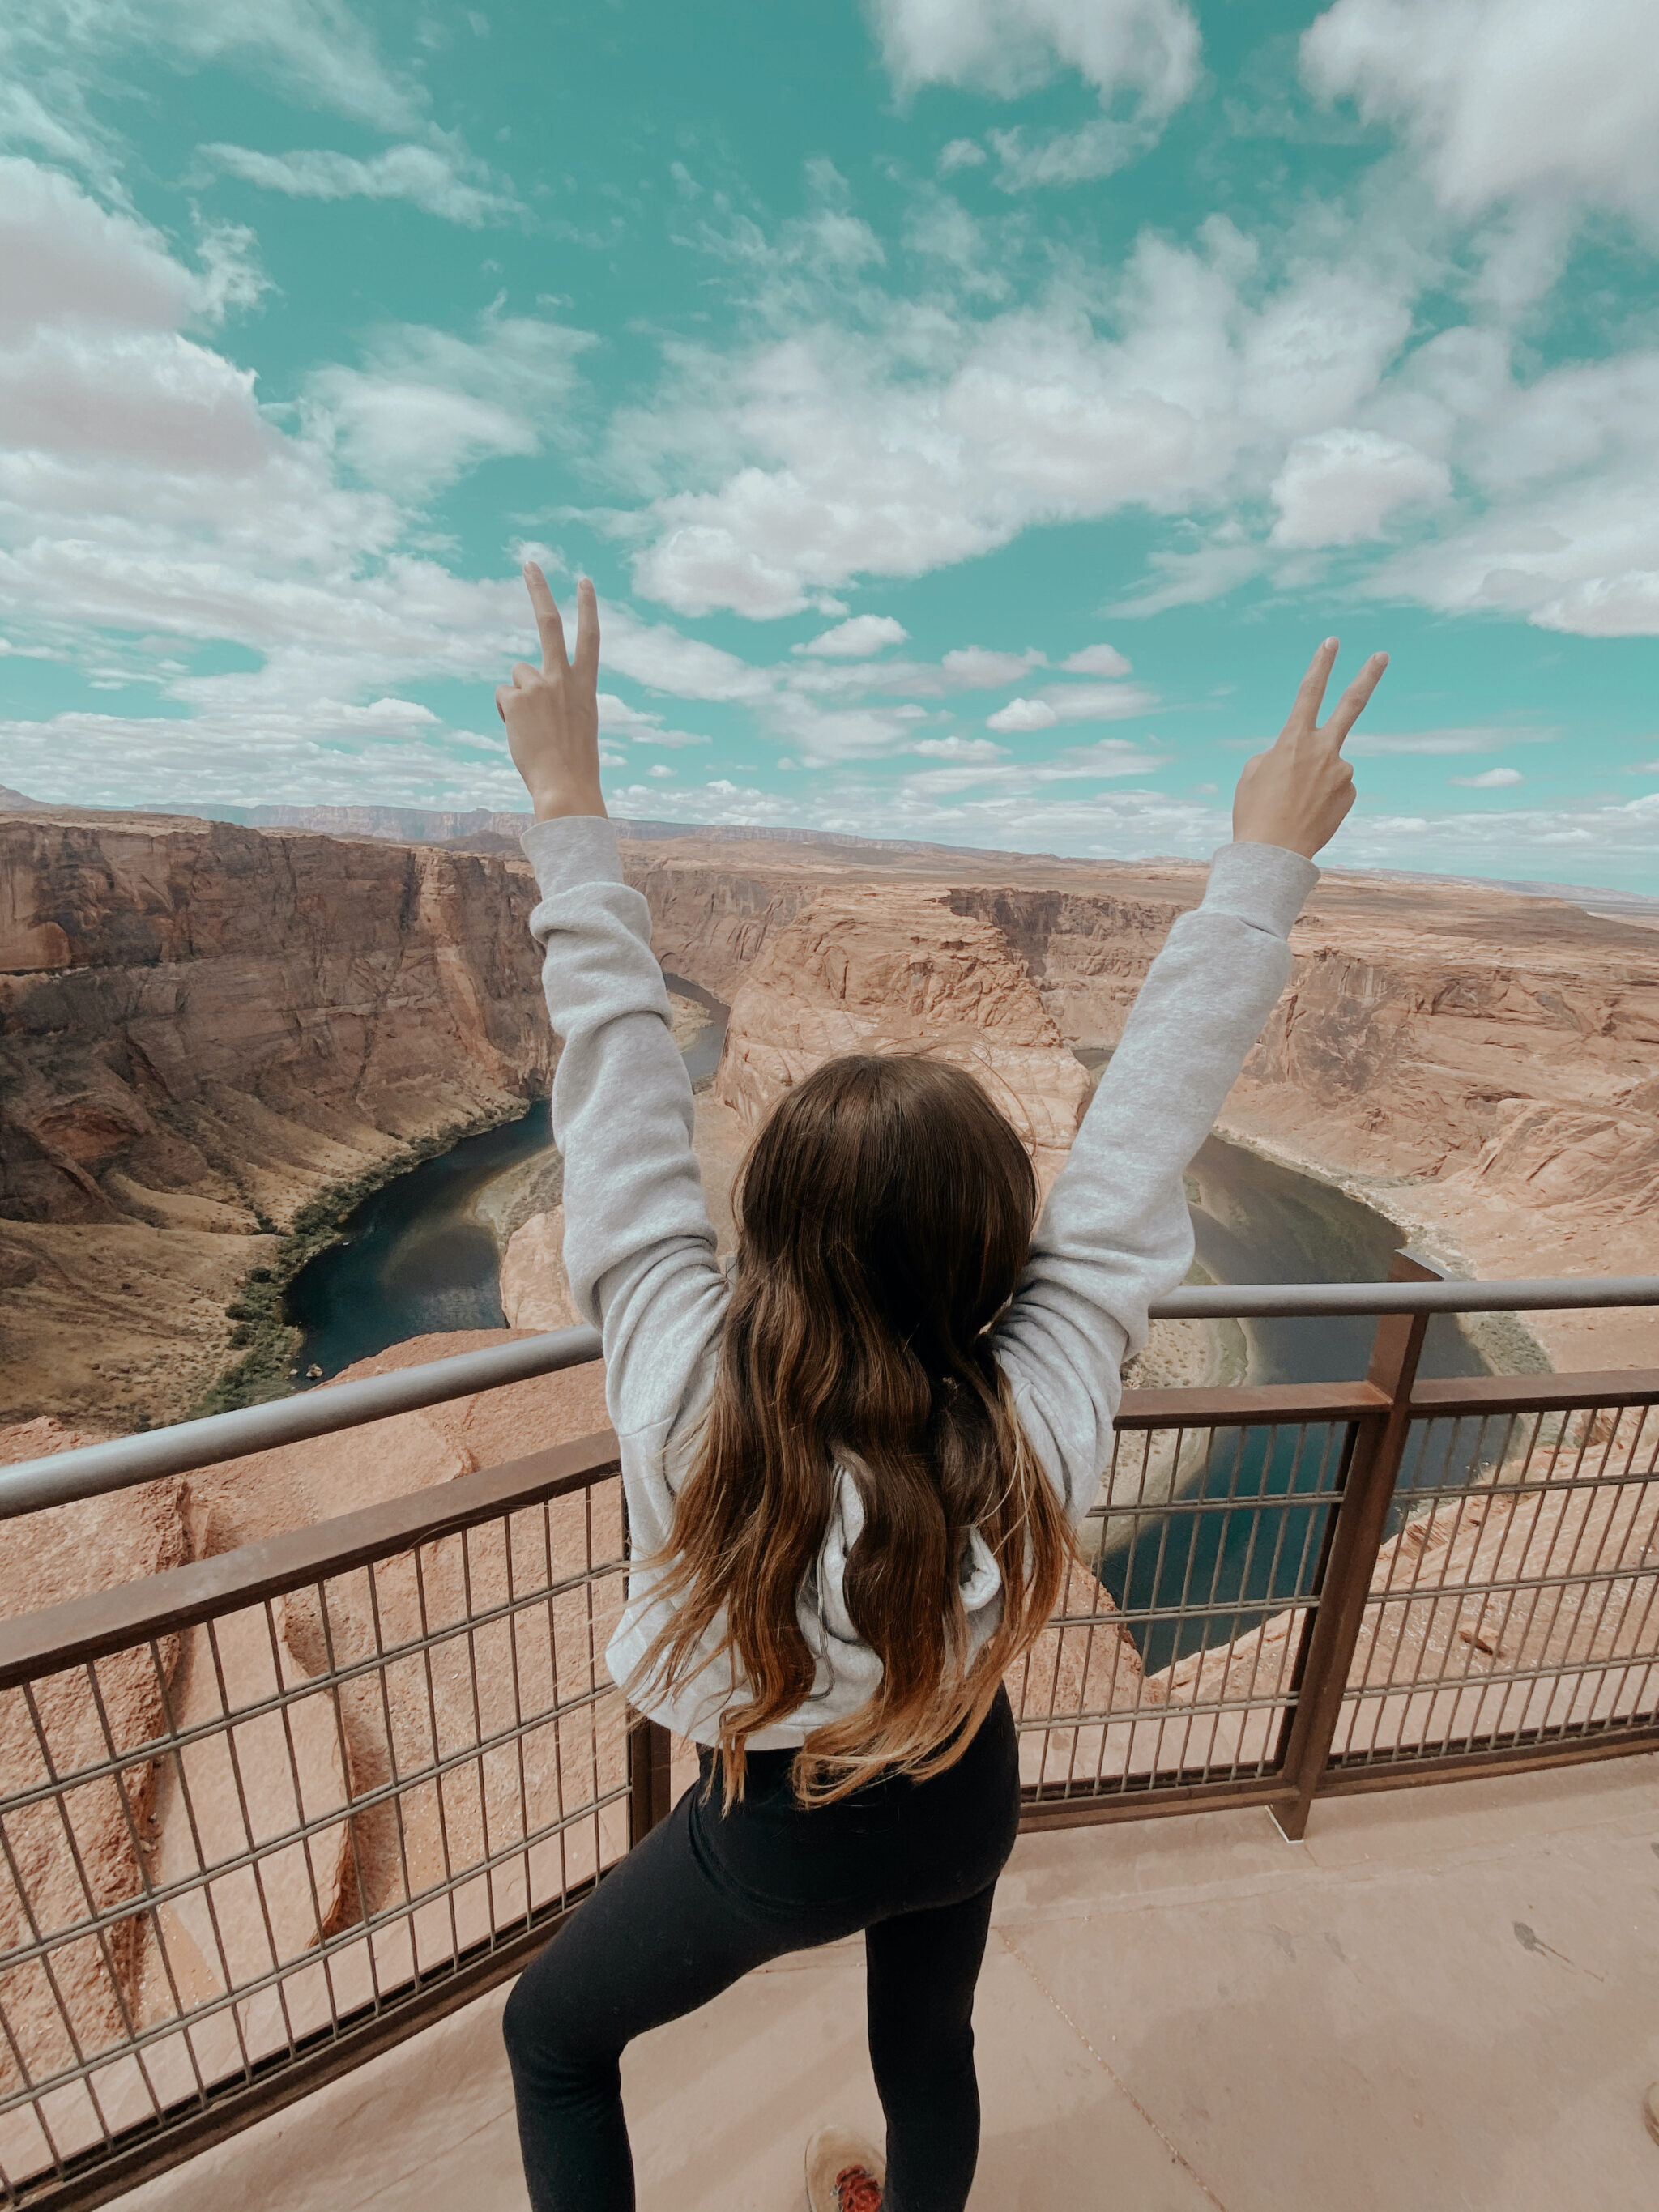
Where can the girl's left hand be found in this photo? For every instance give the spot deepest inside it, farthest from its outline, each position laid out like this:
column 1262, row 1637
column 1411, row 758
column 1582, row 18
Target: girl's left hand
column 552, row 712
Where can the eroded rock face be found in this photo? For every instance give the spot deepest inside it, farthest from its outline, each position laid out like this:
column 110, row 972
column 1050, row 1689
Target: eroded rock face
column 86, row 1853
column 535, row 1289
column 1483, row 1067
column 310, row 1765
column 201, row 1027
column 875, row 969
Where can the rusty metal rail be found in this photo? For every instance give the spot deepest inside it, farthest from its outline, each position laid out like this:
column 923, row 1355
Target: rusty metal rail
column 265, row 1814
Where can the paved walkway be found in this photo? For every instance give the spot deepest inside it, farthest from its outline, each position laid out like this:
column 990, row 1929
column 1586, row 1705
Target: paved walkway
column 1445, row 1998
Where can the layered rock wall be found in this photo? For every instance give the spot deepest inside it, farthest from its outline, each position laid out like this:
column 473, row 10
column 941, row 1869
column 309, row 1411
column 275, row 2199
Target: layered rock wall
column 202, row 1027
column 877, row 968
column 1483, row 1067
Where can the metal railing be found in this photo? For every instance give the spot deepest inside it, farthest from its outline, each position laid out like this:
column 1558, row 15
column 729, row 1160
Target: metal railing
column 265, row 1814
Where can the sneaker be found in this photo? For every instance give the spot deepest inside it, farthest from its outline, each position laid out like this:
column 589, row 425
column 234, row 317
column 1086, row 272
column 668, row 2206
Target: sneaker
column 843, row 2173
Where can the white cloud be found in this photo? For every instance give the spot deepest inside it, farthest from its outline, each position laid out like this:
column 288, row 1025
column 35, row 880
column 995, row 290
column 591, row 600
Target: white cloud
column 1072, row 702
column 1185, row 580
column 958, row 748
column 1474, row 737
column 439, row 179
column 874, row 447
column 318, row 49
column 330, row 752
column 1491, row 779
column 1022, row 715
column 1108, row 757
column 851, row 640
column 1031, row 161
column 1096, row 661
column 966, row 668
column 820, row 738
column 1340, row 487
column 67, row 259
column 1009, row 46
column 640, row 726
column 432, row 405
column 972, row 668
column 149, row 504
column 961, row 153
column 698, row 567
column 1505, row 97
column 1567, row 469
column 1606, row 606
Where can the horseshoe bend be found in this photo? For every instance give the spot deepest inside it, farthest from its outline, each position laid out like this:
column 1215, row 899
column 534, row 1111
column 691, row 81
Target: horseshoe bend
column 216, row 1038
column 218, row 1044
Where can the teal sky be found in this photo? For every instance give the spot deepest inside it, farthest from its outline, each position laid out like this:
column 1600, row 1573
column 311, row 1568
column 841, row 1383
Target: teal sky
column 972, row 412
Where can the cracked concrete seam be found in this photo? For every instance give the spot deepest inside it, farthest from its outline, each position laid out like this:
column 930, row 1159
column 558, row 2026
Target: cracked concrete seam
column 1176, row 2153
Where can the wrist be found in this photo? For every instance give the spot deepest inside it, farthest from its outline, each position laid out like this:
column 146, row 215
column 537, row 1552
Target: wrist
column 553, row 803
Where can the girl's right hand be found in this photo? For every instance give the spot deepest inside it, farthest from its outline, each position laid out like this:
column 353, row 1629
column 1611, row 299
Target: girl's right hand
column 1296, row 794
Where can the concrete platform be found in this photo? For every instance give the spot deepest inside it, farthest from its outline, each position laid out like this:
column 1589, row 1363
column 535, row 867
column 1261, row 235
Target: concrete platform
column 1445, row 1998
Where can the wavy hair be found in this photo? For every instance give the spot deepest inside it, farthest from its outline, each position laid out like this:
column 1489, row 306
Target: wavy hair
column 885, row 1215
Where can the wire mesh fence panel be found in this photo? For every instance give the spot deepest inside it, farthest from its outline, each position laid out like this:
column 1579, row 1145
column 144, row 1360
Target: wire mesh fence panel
column 221, row 1845
column 255, row 1809
column 1172, row 1660
column 1516, row 1604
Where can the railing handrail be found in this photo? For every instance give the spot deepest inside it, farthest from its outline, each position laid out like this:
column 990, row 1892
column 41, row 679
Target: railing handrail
column 122, row 1462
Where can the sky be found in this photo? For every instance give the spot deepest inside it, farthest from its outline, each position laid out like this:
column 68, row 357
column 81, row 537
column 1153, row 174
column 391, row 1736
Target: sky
column 972, row 412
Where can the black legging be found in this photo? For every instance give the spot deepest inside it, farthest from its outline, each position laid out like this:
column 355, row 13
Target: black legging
column 706, row 1898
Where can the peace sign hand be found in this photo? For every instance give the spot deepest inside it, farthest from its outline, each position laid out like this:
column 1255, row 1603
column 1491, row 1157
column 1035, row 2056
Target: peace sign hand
column 1296, row 794
column 552, row 712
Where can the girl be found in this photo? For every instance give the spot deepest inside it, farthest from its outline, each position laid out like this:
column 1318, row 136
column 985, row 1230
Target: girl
column 854, row 1467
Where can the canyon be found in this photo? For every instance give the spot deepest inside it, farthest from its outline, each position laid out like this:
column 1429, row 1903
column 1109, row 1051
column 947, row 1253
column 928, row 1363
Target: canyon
column 205, row 1031
column 1481, row 1066
column 210, row 1034
column 216, row 1037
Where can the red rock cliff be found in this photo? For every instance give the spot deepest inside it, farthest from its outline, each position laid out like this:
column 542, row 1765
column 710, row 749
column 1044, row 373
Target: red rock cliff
column 201, row 1027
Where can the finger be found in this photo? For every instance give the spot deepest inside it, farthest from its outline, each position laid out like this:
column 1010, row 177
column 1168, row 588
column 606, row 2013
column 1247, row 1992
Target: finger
column 549, row 626
column 1348, row 708
column 587, row 663
column 503, row 693
column 1305, row 712
column 524, row 673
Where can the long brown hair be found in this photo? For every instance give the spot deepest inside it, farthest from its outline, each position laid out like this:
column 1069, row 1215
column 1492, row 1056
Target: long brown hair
column 885, row 1215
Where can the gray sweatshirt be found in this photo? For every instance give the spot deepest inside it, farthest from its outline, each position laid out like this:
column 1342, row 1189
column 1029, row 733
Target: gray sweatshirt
column 639, row 1250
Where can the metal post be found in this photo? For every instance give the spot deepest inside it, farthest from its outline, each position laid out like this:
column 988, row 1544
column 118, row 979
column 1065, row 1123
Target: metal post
column 650, row 1750
column 650, row 1789
column 1331, row 1631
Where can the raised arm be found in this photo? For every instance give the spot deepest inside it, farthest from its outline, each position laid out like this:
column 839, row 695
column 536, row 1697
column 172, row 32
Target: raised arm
column 1116, row 1233
column 638, row 1247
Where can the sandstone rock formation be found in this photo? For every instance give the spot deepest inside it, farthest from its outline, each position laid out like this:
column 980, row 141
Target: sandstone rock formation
column 254, row 1773
column 202, row 1027
column 535, row 1289
column 1482, row 1066
column 887, row 968
column 69, row 1859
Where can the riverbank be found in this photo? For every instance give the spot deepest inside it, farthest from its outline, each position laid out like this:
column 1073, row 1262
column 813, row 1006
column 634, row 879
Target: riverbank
column 267, row 1341
column 208, row 1036
column 1423, row 1212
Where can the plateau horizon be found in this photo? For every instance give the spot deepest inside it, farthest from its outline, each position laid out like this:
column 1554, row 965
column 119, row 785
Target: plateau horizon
column 502, row 826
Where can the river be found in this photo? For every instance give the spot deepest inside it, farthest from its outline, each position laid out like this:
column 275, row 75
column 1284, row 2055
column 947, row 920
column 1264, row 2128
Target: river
column 419, row 1257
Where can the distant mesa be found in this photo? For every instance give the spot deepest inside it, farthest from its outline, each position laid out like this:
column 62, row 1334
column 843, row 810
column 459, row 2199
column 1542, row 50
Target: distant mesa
column 883, row 968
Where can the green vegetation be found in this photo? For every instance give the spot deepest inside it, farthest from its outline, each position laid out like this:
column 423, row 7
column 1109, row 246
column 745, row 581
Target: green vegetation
column 261, row 1335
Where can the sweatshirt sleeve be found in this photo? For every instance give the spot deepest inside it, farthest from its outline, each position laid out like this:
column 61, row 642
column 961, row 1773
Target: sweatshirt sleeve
column 639, row 1247
column 1116, row 1233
